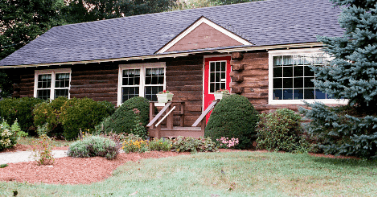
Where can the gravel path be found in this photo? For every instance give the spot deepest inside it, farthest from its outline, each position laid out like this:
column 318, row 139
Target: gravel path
column 22, row 156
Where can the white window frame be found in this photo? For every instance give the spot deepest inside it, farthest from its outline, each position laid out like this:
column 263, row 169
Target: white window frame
column 209, row 75
column 271, row 101
column 142, row 68
column 53, row 73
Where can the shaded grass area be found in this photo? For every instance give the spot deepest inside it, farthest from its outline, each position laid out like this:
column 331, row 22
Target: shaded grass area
column 56, row 143
column 224, row 174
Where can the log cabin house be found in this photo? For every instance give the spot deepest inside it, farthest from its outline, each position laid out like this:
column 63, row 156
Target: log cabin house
column 260, row 50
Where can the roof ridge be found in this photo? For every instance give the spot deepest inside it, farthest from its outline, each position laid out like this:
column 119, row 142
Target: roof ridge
column 186, row 10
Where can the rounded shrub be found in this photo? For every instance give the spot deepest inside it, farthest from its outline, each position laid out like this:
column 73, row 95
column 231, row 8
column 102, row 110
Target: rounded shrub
column 281, row 130
column 49, row 112
column 21, row 109
column 93, row 146
column 233, row 117
column 130, row 117
column 81, row 114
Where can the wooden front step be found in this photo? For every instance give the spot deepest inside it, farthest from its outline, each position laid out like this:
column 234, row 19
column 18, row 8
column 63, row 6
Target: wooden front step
column 195, row 132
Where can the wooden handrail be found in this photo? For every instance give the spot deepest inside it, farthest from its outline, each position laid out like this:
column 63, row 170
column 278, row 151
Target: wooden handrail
column 209, row 108
column 159, row 114
column 166, row 115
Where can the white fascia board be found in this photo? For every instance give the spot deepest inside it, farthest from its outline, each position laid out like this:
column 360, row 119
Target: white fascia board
column 195, row 25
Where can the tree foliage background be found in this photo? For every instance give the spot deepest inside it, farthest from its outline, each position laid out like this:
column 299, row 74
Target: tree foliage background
column 351, row 129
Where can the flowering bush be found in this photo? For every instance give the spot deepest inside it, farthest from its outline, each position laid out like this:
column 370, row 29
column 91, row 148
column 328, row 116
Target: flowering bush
column 8, row 138
column 224, row 142
column 42, row 150
column 134, row 143
column 160, row 144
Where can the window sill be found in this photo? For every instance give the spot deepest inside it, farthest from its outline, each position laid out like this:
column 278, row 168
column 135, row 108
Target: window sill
column 301, row 102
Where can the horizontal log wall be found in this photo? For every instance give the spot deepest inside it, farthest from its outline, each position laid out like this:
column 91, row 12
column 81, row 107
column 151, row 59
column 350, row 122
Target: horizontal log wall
column 23, row 82
column 96, row 81
column 184, row 78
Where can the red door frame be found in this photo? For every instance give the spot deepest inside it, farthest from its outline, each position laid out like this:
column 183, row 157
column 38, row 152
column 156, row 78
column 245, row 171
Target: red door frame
column 207, row 97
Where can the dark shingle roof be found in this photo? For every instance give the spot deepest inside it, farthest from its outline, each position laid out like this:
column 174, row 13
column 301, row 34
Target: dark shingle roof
column 270, row 22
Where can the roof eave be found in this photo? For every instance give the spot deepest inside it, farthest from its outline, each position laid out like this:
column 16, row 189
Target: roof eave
column 176, row 54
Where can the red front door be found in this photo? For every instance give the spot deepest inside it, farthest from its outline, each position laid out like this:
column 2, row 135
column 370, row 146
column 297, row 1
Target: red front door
column 216, row 77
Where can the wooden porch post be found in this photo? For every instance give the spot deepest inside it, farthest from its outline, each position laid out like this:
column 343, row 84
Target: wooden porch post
column 169, row 119
column 151, row 113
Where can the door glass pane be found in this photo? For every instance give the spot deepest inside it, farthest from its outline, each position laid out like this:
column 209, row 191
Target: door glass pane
column 217, row 77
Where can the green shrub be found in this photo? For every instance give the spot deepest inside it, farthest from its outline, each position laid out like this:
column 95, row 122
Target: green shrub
column 49, row 112
column 125, row 118
column 160, row 145
column 81, row 114
column 189, row 144
column 21, row 109
column 3, row 165
column 281, row 130
column 233, row 117
column 93, row 146
column 8, row 137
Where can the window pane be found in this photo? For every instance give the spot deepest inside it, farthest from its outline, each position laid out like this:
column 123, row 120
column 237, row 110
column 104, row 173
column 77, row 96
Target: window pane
column 288, row 60
column 298, row 82
column 62, row 80
column 61, row 92
column 151, row 91
column 43, row 94
column 278, row 94
column 308, row 72
column 319, row 94
column 278, row 71
column 129, row 92
column 308, row 83
column 288, row 94
column 154, row 76
column 44, row 81
column 287, row 71
column 278, row 83
column 308, row 93
column 287, row 83
column 222, row 86
column 131, row 77
column 298, row 71
column 298, row 94
column 277, row 60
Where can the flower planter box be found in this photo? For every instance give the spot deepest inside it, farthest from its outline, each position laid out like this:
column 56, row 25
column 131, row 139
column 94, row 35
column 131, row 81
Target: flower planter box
column 219, row 96
column 164, row 98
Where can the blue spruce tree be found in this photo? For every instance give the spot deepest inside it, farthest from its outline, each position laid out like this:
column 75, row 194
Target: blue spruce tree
column 351, row 129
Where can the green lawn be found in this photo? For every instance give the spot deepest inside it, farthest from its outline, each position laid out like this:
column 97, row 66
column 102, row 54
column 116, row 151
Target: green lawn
column 224, row 174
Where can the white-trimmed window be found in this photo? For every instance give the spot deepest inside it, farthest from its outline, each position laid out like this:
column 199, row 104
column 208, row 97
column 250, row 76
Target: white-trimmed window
column 290, row 77
column 145, row 80
column 50, row 84
column 217, row 76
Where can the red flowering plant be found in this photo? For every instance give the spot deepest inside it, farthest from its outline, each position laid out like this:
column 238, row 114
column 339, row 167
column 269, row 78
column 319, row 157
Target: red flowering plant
column 223, row 91
column 165, row 92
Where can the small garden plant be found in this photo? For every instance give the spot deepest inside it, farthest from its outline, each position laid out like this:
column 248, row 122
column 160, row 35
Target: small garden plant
column 190, row 144
column 160, row 144
column 224, row 142
column 42, row 150
column 135, row 144
column 92, row 146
